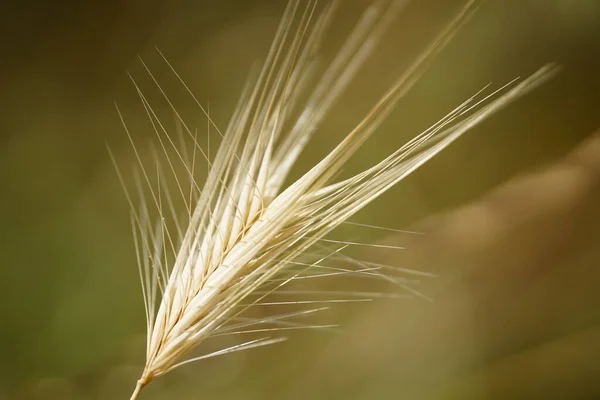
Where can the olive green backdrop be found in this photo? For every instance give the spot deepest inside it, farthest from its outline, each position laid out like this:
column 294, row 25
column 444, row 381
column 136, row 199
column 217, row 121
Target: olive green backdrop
column 71, row 315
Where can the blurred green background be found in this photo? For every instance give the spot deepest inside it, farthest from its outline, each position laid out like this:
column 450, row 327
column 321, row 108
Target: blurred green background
column 71, row 315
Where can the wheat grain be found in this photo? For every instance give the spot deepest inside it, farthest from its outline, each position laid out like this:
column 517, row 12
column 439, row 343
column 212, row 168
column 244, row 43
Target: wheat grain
column 244, row 228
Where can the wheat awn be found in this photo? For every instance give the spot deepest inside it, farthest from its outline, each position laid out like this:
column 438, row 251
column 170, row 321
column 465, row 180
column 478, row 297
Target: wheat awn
column 244, row 227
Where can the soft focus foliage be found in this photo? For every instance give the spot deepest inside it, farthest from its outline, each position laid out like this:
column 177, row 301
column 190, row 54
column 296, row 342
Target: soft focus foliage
column 71, row 316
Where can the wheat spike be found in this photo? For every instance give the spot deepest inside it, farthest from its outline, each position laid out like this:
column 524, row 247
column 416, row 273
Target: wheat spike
column 244, row 227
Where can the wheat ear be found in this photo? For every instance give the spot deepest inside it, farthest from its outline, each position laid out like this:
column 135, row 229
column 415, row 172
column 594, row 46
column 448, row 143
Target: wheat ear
column 244, row 227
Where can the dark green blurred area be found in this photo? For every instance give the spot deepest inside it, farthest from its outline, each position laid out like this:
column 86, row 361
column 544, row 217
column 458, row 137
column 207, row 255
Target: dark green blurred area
column 71, row 311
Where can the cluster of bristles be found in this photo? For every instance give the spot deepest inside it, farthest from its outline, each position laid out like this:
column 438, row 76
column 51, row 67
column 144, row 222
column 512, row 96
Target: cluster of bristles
column 244, row 227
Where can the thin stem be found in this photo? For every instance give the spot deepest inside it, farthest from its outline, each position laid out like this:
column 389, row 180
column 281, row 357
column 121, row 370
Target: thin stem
column 138, row 389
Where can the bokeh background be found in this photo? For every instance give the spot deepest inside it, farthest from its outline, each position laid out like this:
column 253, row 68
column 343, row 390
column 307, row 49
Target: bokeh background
column 515, row 314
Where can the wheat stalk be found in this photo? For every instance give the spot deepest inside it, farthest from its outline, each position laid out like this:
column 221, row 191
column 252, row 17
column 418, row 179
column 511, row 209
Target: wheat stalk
column 244, row 228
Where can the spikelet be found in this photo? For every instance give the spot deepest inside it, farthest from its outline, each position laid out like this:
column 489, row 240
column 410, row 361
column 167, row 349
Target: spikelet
column 244, row 227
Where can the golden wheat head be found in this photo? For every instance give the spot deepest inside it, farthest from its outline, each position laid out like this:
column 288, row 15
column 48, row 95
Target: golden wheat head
column 245, row 227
